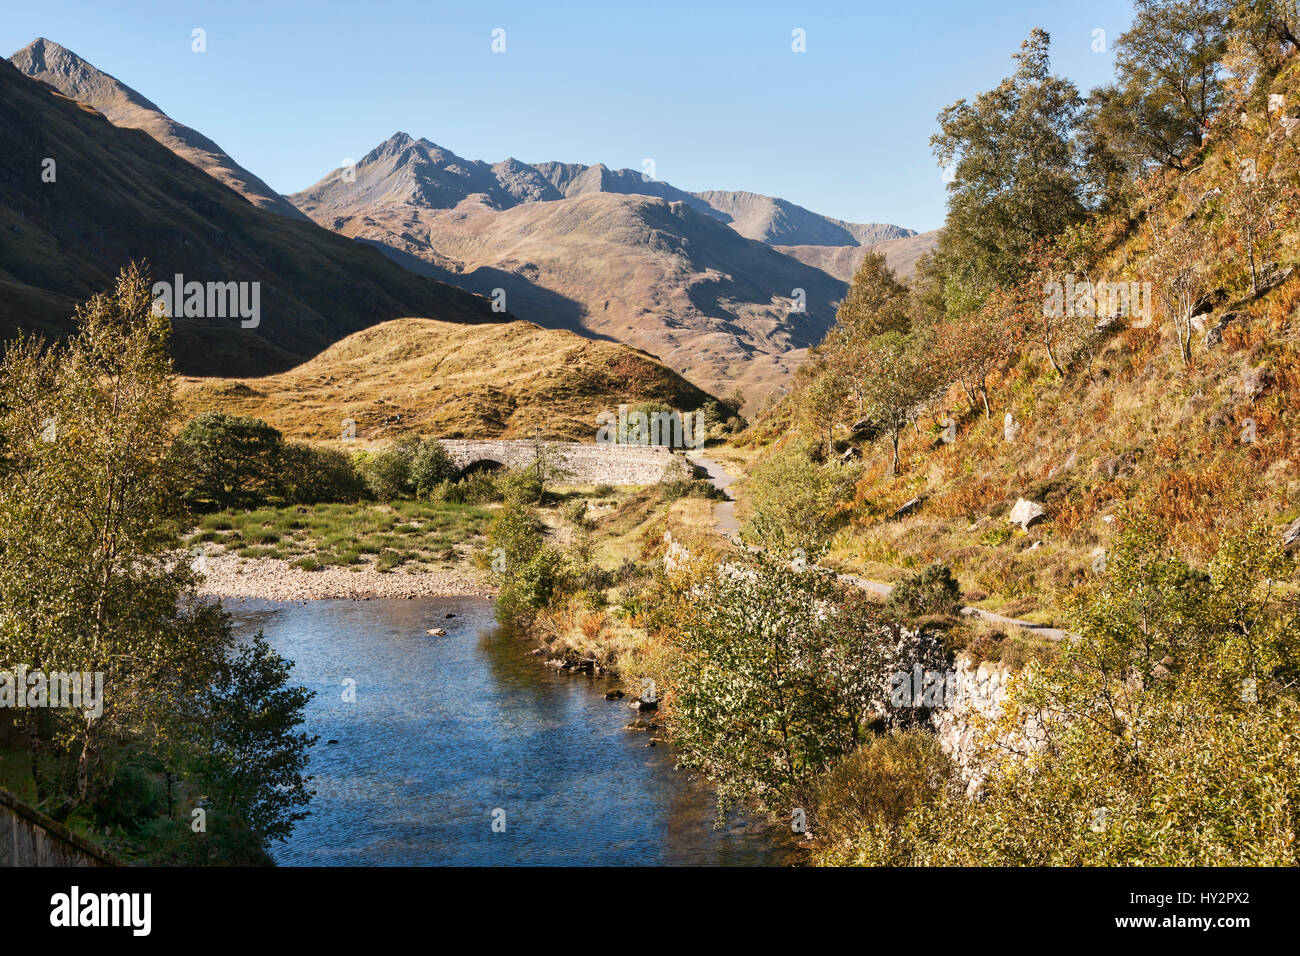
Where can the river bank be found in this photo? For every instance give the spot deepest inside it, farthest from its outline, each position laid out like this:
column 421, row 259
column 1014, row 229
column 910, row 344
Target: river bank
column 273, row 579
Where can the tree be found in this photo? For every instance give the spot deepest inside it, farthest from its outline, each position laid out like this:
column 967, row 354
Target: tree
column 232, row 461
column 309, row 475
column 1061, row 312
column 430, row 467
column 1169, row 83
column 1017, row 175
column 90, row 503
column 527, row 569
column 967, row 348
column 876, row 302
column 794, row 501
column 892, row 374
column 91, row 518
column 1268, row 28
column 1175, row 249
column 1252, row 202
column 778, row 669
column 1169, row 727
column 821, row 398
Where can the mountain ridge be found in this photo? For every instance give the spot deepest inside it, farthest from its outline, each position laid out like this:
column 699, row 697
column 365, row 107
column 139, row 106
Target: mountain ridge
column 75, row 77
column 768, row 219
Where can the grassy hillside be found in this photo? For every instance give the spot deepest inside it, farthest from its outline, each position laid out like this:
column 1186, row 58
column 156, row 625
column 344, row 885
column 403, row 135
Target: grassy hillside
column 449, row 380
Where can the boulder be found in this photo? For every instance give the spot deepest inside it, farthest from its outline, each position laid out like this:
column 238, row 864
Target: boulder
column 1010, row 427
column 1214, row 336
column 908, row 507
column 1025, row 513
column 849, row 454
column 436, row 632
column 1273, row 277
column 1292, row 534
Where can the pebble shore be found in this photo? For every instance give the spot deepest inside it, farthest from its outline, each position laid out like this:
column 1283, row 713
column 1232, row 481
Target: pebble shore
column 228, row 575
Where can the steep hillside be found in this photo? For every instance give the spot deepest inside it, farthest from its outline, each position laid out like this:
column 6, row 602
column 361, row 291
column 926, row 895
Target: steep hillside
column 118, row 195
column 1203, row 446
column 654, row 273
column 72, row 76
column 452, row 381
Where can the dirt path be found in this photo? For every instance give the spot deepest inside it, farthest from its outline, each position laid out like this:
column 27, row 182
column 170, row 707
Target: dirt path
column 726, row 524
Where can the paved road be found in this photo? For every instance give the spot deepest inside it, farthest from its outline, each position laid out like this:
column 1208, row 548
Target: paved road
column 724, row 517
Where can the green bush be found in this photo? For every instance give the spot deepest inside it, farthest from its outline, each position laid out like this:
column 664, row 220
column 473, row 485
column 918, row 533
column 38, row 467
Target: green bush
column 523, row 485
column 575, row 512
column 387, row 473
column 796, row 502
column 313, row 475
column 230, row 461
column 933, row 590
column 863, row 802
column 430, row 466
column 476, row 488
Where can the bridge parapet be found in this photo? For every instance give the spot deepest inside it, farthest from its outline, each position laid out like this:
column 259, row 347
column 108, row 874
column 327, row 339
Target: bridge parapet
column 582, row 463
column 30, row 838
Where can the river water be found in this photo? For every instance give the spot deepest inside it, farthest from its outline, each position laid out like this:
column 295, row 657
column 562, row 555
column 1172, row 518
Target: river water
column 448, row 734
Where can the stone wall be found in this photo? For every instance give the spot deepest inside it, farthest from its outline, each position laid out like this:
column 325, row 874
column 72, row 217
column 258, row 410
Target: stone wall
column 583, row 463
column 30, row 838
column 977, row 704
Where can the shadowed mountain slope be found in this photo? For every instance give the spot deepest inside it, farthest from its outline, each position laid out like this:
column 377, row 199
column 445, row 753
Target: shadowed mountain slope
column 119, row 195
column 72, row 76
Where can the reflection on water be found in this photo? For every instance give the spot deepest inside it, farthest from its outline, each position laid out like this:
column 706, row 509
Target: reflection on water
column 446, row 730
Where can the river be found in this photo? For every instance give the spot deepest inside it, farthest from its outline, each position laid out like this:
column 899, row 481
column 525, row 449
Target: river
column 448, row 735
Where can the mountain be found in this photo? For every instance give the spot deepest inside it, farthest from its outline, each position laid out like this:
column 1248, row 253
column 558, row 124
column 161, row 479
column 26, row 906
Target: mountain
column 454, row 381
column 72, row 76
column 119, row 195
column 443, row 180
column 901, row 254
column 604, row 252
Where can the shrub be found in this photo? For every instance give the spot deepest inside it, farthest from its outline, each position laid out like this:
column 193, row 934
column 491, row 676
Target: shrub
column 778, row 672
column 795, row 501
column 430, row 467
column 529, row 571
column 476, row 488
column 387, row 473
column 575, row 512
column 525, row 486
column 933, row 590
column 311, row 475
column 863, row 802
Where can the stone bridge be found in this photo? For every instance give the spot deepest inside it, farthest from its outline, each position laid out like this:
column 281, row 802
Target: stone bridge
column 582, row 464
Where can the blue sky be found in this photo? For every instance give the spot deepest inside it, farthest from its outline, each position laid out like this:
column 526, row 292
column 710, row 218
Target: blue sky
column 711, row 91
